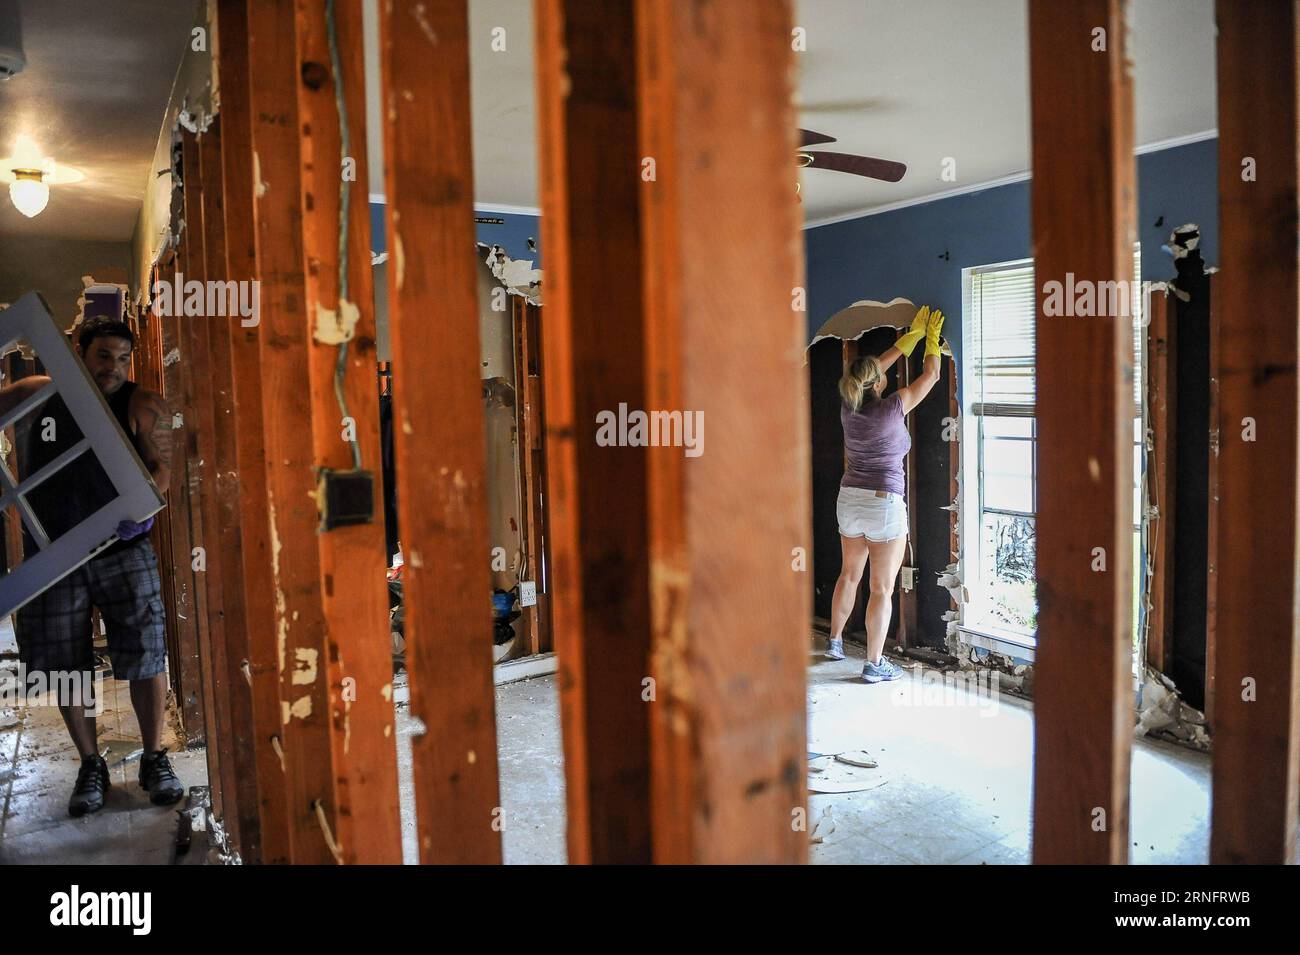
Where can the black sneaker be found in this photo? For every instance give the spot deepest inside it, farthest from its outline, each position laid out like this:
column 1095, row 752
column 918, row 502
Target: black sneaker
column 159, row 779
column 92, row 784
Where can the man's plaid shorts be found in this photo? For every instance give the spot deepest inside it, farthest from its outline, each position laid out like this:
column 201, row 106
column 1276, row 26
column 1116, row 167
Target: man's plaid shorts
column 54, row 629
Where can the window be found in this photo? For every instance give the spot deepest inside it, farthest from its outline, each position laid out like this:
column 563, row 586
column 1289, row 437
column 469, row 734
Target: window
column 108, row 481
column 999, row 450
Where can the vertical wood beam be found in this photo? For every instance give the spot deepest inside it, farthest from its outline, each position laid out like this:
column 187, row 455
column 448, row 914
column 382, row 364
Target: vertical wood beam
column 539, row 514
column 1212, row 518
column 598, row 496
column 1256, row 738
column 439, row 427
column 288, row 402
column 728, row 728
column 200, row 207
column 183, row 613
column 532, row 463
column 1162, row 483
column 353, row 559
column 254, row 545
column 1082, row 124
column 192, row 266
column 907, row 633
column 224, row 492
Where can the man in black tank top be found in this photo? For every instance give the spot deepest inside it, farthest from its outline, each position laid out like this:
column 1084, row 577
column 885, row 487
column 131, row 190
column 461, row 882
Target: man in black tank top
column 54, row 629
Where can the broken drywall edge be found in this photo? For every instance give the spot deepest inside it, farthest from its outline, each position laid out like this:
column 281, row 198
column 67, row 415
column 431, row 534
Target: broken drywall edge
column 860, row 317
column 851, row 323
column 950, row 580
column 196, row 122
column 1183, row 240
column 517, row 275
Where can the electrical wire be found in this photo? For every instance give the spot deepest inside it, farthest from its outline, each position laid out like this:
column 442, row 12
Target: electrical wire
column 345, row 144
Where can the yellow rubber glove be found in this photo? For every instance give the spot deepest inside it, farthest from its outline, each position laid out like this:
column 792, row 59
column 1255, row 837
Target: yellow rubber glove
column 908, row 340
column 932, row 328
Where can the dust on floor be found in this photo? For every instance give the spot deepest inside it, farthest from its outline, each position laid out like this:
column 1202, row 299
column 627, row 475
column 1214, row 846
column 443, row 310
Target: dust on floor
column 38, row 767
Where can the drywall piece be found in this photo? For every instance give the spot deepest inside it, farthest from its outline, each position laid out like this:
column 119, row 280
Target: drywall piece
column 1162, row 713
column 1183, row 245
column 336, row 327
column 840, row 777
column 858, row 757
column 824, row 827
column 859, row 318
column 950, row 580
column 517, row 275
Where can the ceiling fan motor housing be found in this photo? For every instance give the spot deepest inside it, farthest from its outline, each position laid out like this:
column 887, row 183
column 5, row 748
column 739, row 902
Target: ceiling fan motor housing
column 12, row 60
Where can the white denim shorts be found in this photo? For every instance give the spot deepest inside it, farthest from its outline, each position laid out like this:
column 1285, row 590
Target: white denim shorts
column 863, row 513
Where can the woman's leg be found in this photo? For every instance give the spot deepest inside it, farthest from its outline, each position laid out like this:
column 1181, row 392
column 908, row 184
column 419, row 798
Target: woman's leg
column 886, row 559
column 853, row 552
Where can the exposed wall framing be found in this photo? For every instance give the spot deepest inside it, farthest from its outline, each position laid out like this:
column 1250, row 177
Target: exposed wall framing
column 1256, row 736
column 1082, row 123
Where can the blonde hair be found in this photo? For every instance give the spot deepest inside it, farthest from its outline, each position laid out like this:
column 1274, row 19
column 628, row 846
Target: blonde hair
column 860, row 379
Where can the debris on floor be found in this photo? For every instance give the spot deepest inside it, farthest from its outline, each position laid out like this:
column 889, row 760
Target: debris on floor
column 1163, row 714
column 846, row 772
column 824, row 827
column 119, row 752
column 858, row 757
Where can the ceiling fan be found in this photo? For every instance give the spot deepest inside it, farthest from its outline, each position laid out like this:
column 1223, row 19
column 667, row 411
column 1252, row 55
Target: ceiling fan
column 882, row 169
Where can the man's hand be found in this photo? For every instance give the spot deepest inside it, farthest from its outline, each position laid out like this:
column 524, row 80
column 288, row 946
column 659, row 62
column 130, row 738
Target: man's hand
column 130, row 530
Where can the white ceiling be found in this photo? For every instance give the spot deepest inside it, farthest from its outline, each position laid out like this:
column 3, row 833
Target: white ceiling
column 921, row 80
column 910, row 80
column 93, row 96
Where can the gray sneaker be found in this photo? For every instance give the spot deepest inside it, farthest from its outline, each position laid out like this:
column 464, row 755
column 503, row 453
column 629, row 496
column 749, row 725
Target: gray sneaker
column 881, row 672
column 835, row 648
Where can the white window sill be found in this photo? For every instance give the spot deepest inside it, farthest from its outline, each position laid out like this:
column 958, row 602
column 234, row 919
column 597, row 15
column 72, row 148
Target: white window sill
column 1000, row 641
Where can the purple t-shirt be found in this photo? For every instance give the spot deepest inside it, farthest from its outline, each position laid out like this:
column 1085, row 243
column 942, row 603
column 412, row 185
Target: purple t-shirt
column 875, row 441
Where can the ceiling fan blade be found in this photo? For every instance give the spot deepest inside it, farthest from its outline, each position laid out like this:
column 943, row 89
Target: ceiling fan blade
column 808, row 138
column 868, row 166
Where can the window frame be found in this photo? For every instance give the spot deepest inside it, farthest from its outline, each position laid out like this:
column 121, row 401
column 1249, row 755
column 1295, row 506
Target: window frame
column 138, row 498
column 983, row 632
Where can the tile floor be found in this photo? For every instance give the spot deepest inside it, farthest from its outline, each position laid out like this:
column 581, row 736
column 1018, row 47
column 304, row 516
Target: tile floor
column 38, row 767
column 954, row 780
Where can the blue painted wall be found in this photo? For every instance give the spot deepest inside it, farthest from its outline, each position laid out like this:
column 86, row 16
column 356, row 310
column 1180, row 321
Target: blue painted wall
column 513, row 234
column 919, row 252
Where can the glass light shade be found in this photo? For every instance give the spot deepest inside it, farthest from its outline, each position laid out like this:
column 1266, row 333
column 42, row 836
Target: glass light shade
column 29, row 196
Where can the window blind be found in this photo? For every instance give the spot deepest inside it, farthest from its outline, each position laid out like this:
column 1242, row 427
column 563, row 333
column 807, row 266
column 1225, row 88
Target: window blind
column 1002, row 336
column 1004, row 306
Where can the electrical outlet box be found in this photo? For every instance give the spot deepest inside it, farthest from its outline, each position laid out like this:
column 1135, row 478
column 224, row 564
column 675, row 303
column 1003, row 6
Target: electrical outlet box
column 909, row 577
column 527, row 593
column 345, row 498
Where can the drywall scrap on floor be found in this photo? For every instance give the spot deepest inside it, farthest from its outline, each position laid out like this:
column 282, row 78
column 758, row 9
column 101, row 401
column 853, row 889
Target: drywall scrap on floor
column 1163, row 714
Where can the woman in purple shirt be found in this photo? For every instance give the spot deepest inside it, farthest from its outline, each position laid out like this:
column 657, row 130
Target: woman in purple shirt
column 871, row 511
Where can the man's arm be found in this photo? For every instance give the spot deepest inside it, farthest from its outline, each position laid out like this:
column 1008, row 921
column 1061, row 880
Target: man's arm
column 15, row 394
column 153, row 431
